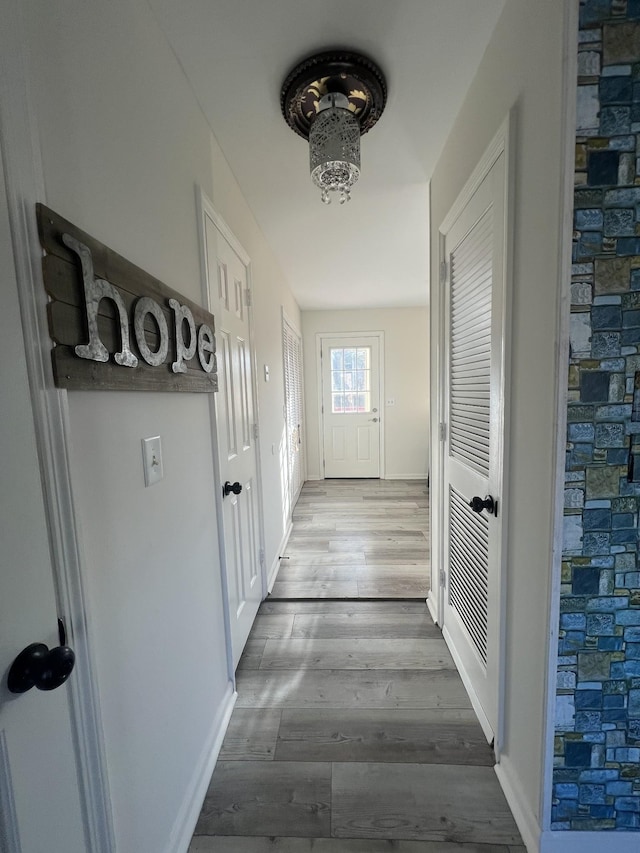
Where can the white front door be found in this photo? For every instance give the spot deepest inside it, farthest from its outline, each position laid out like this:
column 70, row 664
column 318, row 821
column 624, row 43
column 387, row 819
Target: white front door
column 229, row 302
column 351, row 414
column 473, row 467
column 39, row 794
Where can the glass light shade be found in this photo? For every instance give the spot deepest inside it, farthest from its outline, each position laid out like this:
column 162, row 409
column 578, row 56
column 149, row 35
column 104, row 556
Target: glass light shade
column 334, row 151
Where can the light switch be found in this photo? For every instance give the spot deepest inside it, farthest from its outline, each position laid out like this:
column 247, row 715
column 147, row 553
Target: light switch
column 152, row 460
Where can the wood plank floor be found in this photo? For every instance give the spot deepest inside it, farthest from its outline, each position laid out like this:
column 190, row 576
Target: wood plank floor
column 352, row 731
column 358, row 539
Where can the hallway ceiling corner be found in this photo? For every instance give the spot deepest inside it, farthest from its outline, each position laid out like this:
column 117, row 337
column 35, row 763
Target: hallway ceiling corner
column 374, row 251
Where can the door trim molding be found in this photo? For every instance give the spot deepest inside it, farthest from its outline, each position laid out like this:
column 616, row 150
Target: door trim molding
column 19, row 142
column 563, row 314
column 206, row 209
column 502, row 143
column 320, row 337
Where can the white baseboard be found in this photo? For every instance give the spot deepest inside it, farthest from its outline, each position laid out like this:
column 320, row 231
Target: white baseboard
column 189, row 811
column 519, row 805
column 589, row 842
column 468, row 686
column 273, row 571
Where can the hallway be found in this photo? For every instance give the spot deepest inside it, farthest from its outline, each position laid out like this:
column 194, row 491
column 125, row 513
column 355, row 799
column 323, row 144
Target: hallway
column 352, row 731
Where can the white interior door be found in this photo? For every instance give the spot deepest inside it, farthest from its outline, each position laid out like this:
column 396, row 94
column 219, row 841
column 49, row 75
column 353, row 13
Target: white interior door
column 229, row 302
column 473, row 468
column 351, row 415
column 39, row 795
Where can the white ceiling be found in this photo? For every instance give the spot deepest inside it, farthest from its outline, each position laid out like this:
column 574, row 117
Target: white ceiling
column 373, row 251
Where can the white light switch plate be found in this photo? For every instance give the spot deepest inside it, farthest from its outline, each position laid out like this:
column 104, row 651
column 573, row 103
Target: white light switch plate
column 152, row 460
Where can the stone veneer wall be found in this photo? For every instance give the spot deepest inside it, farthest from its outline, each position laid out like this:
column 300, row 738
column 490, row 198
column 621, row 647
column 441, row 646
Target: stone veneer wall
column 597, row 746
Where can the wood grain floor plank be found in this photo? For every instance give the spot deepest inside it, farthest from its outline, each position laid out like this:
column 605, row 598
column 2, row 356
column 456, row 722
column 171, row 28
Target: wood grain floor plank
column 407, row 653
column 315, row 589
column 361, row 625
column 247, row 844
column 390, row 556
column 412, row 689
column 409, row 525
column 414, row 546
column 268, row 627
column 416, row 609
column 405, row 587
column 325, row 559
column 267, row 798
column 288, row 572
column 252, row 654
column 391, row 735
column 251, row 735
column 383, row 530
column 389, row 571
column 420, row 802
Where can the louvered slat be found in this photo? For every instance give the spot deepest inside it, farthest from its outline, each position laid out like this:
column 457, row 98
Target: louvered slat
column 470, row 334
column 469, row 572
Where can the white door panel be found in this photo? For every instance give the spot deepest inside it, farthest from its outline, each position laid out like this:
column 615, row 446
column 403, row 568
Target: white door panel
column 228, row 294
column 473, row 466
column 350, row 370
column 39, row 793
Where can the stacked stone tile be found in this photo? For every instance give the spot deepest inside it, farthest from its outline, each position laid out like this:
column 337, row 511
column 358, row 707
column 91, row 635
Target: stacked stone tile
column 597, row 748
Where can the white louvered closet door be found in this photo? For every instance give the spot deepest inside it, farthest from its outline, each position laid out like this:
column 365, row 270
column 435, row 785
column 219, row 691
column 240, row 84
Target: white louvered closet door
column 294, row 406
column 473, row 445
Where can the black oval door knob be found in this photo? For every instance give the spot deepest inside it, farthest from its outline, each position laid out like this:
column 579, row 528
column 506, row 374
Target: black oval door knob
column 477, row 504
column 236, row 488
column 40, row 667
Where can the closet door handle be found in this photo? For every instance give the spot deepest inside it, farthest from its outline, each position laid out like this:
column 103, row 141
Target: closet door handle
column 228, row 487
column 40, row 667
column 477, row 504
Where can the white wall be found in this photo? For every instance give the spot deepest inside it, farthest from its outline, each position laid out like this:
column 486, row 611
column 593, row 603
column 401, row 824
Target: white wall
column 406, row 379
column 124, row 145
column 522, row 68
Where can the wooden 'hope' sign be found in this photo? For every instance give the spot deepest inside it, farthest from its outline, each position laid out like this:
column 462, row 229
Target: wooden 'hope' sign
column 114, row 326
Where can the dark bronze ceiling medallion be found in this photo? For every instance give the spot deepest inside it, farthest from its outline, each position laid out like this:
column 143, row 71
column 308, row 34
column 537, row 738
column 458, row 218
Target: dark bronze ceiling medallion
column 334, row 71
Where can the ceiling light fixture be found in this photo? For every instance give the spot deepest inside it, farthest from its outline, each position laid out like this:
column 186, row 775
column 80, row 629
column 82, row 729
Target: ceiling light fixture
column 331, row 99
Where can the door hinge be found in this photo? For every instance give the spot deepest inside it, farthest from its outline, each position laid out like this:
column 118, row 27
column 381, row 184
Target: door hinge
column 247, row 297
column 261, row 556
column 443, row 577
column 443, row 272
column 443, row 432
column 255, row 432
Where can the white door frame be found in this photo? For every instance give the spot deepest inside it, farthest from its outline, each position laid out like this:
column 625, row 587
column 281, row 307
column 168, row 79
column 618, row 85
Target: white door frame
column 322, row 336
column 205, row 209
column 25, row 186
column 503, row 142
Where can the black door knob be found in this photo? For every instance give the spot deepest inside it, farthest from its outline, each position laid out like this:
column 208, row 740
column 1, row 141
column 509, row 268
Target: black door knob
column 477, row 504
column 228, row 487
column 40, row 667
